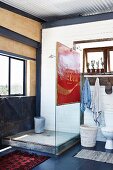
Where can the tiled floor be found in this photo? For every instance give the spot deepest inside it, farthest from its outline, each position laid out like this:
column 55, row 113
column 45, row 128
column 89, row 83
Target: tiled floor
column 66, row 161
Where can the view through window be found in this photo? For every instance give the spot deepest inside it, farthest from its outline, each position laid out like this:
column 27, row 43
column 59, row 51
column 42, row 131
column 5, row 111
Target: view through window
column 4, row 67
column 12, row 76
column 95, row 58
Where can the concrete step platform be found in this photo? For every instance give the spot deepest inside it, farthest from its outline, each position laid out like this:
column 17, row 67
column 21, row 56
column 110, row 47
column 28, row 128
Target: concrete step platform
column 49, row 141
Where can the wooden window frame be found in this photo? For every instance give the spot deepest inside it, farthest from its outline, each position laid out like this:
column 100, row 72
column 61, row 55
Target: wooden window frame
column 106, row 57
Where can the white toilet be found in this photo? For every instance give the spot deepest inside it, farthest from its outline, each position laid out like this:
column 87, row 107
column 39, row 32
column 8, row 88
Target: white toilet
column 107, row 131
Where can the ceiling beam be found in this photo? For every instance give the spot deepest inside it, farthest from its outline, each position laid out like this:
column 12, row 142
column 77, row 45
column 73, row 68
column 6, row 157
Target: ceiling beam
column 18, row 37
column 79, row 20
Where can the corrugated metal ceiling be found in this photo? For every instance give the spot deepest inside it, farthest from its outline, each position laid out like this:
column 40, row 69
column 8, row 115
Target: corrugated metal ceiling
column 54, row 9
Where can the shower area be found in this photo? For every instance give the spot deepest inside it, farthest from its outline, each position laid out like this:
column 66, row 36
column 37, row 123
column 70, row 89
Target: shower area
column 60, row 106
column 61, row 133
column 51, row 141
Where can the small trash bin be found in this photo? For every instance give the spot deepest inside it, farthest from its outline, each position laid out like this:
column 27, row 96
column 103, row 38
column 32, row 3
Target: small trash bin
column 39, row 124
column 88, row 135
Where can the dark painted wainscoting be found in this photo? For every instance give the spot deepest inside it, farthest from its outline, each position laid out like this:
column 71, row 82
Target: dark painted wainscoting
column 16, row 115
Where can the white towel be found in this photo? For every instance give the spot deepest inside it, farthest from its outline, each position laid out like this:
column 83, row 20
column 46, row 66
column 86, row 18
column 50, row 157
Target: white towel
column 96, row 103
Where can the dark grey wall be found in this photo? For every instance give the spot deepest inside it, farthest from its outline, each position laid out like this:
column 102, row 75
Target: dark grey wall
column 16, row 115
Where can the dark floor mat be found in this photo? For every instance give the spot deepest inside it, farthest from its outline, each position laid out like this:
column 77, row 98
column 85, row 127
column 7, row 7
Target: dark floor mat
column 19, row 160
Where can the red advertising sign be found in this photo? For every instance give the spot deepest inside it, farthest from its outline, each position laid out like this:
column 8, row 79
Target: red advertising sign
column 68, row 75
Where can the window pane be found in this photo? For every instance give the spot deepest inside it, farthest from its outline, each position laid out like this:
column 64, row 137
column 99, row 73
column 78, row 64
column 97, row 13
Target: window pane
column 3, row 75
column 111, row 60
column 16, row 77
column 95, row 59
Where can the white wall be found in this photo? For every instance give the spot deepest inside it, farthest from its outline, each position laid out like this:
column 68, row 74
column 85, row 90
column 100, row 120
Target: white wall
column 68, row 118
column 66, row 35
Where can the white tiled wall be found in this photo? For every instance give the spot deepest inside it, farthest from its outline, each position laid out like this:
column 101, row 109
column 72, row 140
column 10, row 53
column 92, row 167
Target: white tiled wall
column 66, row 120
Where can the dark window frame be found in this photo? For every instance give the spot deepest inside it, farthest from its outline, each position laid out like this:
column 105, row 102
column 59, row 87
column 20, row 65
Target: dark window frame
column 9, row 76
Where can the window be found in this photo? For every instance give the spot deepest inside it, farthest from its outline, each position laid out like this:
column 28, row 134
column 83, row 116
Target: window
column 111, row 61
column 4, row 67
column 98, row 60
column 12, row 76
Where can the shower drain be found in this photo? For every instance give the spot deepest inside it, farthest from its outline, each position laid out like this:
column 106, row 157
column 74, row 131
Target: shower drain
column 48, row 135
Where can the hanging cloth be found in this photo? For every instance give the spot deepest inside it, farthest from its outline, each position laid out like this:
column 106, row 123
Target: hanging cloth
column 86, row 96
column 96, row 103
column 108, row 87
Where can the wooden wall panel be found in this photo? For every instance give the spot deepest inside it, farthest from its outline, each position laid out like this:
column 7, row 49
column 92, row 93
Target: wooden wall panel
column 17, row 48
column 31, row 78
column 20, row 24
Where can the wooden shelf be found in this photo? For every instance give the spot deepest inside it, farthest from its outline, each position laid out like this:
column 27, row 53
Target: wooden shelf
column 103, row 78
column 98, row 75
